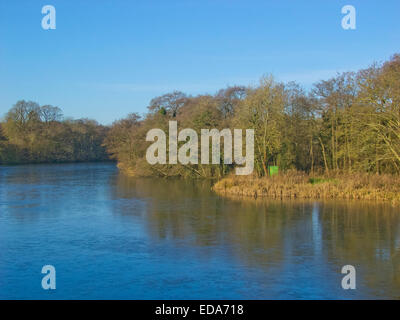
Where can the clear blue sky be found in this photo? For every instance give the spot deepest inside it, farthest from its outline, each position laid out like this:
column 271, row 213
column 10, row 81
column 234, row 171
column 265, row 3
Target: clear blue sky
column 109, row 58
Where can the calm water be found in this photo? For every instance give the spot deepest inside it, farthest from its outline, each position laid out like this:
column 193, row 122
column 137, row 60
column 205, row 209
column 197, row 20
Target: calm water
column 110, row 236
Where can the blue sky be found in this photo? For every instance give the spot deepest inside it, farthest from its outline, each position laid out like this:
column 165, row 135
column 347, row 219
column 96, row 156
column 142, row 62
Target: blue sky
column 109, row 58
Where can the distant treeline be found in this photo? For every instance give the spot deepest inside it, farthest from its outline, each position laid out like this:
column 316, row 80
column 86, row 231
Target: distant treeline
column 35, row 134
column 349, row 123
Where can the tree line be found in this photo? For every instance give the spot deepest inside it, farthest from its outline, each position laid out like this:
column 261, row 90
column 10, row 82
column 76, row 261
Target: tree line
column 31, row 133
column 349, row 123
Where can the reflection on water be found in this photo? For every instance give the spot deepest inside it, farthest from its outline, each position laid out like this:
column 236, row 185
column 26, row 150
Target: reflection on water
column 110, row 236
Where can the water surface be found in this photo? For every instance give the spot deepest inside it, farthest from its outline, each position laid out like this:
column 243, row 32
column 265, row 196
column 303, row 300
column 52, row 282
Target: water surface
column 114, row 237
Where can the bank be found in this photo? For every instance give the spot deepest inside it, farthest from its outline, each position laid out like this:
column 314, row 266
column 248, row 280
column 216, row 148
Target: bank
column 304, row 186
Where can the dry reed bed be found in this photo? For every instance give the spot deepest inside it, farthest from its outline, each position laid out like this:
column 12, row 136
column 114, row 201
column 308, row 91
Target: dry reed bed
column 300, row 185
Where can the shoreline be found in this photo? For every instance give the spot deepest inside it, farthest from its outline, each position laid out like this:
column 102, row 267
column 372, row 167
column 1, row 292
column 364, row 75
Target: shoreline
column 298, row 185
column 55, row 162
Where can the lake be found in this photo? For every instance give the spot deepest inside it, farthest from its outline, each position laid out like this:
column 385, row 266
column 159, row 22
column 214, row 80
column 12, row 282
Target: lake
column 114, row 237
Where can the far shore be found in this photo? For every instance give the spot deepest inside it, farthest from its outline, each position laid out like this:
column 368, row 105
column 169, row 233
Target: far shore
column 55, row 162
column 291, row 184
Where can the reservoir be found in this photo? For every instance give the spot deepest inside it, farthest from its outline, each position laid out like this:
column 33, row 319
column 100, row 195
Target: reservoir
column 115, row 237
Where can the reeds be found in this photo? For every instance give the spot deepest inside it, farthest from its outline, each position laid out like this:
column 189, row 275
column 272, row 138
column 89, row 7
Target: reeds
column 294, row 184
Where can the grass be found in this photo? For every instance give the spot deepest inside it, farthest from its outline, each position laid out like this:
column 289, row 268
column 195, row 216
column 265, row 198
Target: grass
column 296, row 184
column 321, row 180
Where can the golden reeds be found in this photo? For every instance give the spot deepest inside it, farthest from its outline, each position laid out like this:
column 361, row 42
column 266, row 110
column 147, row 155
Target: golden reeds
column 295, row 184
